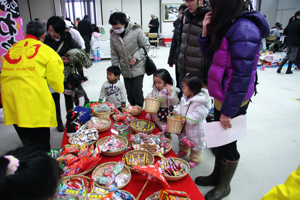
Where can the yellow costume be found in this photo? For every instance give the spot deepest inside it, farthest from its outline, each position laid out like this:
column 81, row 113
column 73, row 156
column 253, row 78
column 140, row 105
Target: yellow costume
column 28, row 68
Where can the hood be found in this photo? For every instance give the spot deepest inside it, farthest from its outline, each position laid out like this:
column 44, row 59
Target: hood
column 259, row 20
column 95, row 34
column 202, row 97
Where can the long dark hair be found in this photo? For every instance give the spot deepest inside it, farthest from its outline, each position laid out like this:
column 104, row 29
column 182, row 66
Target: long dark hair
column 294, row 17
column 36, row 177
column 223, row 14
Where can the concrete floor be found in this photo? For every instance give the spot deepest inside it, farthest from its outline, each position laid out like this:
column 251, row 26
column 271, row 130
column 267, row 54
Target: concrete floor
column 269, row 153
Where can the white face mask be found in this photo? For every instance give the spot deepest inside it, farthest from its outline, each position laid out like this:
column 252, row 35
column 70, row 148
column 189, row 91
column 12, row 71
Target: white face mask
column 119, row 31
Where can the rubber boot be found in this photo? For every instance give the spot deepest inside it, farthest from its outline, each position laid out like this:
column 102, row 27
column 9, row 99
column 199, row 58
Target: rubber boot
column 223, row 188
column 98, row 58
column 213, row 178
column 281, row 65
column 289, row 69
column 95, row 59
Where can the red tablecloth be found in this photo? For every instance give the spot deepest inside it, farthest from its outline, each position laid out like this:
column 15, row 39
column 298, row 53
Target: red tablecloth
column 137, row 181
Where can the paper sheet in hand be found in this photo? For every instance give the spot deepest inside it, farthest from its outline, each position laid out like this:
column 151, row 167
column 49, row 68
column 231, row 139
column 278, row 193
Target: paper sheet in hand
column 216, row 135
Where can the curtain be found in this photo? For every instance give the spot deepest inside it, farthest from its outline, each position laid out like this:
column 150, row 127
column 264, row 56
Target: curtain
column 79, row 8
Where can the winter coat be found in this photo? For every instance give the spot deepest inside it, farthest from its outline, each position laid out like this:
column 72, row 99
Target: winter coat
column 95, row 41
column 77, row 37
column 155, row 25
column 128, row 47
column 196, row 108
column 190, row 59
column 27, row 100
column 174, row 50
column 232, row 74
column 292, row 31
column 85, row 27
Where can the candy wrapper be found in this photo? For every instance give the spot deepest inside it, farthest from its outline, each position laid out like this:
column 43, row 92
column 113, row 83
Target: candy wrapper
column 112, row 144
column 168, row 166
column 130, row 108
column 169, row 195
column 118, row 167
column 84, row 136
column 143, row 125
column 123, row 194
column 96, row 123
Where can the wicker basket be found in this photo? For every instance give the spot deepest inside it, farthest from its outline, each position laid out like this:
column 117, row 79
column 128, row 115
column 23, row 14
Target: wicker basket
column 152, row 105
column 89, row 144
column 115, row 153
column 65, row 179
column 165, row 152
column 176, row 178
column 134, row 123
column 174, row 125
column 106, row 127
column 98, row 172
column 137, row 113
column 85, row 172
column 103, row 114
column 148, row 154
column 155, row 196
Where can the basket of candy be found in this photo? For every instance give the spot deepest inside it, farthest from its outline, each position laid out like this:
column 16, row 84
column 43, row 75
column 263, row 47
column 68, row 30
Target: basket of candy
column 137, row 157
column 143, row 126
column 103, row 114
column 174, row 123
column 100, row 124
column 152, row 105
column 111, row 174
column 83, row 135
column 169, row 194
column 155, row 144
column 173, row 169
column 112, row 145
column 75, row 159
column 133, row 110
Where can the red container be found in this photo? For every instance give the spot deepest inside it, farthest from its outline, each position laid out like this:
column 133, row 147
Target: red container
column 164, row 40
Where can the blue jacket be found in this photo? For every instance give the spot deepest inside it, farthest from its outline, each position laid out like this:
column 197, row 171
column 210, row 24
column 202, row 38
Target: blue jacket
column 232, row 73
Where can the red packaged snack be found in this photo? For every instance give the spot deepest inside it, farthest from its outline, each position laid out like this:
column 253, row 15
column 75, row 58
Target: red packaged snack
column 71, row 159
column 70, row 148
column 84, row 153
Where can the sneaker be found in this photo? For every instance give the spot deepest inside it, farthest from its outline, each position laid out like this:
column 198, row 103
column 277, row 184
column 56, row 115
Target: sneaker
column 192, row 164
column 180, row 154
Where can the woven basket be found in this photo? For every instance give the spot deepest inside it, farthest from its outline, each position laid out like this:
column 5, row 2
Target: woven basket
column 152, row 105
column 85, row 172
column 148, row 154
column 89, row 144
column 174, row 125
column 134, row 123
column 67, row 178
column 137, row 113
column 98, row 172
column 106, row 127
column 103, row 114
column 154, row 196
column 176, row 178
column 165, row 152
column 115, row 153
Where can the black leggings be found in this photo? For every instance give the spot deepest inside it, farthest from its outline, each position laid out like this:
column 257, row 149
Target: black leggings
column 69, row 105
column 229, row 151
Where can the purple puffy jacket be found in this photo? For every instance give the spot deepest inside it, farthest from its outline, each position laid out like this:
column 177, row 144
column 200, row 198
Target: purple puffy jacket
column 232, row 73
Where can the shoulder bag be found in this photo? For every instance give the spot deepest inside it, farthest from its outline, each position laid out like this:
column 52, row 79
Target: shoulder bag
column 149, row 65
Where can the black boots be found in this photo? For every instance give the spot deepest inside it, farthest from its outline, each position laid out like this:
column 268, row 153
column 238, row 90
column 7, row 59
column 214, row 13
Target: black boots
column 213, row 179
column 289, row 69
column 281, row 65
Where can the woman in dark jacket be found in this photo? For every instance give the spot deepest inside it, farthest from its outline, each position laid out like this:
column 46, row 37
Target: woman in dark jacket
column 60, row 41
column 231, row 40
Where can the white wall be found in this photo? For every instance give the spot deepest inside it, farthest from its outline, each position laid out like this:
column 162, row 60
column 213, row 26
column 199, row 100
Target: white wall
column 285, row 10
column 269, row 8
column 150, row 7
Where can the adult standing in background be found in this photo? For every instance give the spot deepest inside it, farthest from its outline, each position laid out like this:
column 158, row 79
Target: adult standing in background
column 153, row 24
column 292, row 31
column 75, row 34
column 85, row 29
column 190, row 59
column 174, row 50
column 127, row 41
column 76, row 23
column 29, row 67
column 60, row 41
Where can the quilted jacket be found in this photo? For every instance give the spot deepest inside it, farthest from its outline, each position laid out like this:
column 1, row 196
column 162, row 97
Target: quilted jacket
column 233, row 71
column 124, row 49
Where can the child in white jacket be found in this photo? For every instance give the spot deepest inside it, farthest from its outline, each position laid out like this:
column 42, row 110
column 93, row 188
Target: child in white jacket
column 95, row 44
column 164, row 89
column 194, row 105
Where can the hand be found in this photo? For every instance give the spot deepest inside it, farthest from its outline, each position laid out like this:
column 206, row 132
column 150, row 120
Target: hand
column 133, row 61
column 66, row 60
column 225, row 121
column 205, row 22
column 169, row 89
column 170, row 65
column 175, row 112
column 183, row 120
column 150, row 25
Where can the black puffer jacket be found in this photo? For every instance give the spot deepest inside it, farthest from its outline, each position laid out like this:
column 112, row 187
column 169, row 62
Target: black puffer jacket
column 155, row 25
column 85, row 27
column 174, row 50
column 292, row 31
column 190, row 59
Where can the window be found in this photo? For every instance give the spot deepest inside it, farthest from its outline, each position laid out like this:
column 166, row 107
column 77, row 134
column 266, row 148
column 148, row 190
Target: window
column 79, row 8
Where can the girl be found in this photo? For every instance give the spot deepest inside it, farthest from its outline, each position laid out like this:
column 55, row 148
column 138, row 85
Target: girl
column 195, row 105
column 79, row 95
column 231, row 40
column 163, row 87
column 95, row 43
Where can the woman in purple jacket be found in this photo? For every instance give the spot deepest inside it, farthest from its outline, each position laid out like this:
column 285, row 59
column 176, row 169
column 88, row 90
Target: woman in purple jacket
column 231, row 40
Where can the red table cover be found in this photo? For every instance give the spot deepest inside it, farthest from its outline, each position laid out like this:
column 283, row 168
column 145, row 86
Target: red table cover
column 137, row 181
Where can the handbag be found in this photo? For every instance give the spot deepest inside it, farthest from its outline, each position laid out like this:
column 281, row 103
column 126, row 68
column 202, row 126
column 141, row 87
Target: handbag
column 150, row 66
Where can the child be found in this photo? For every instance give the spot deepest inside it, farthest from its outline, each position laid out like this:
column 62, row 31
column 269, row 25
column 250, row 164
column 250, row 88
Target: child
column 195, row 105
column 269, row 58
column 163, row 87
column 113, row 90
column 28, row 174
column 95, row 44
column 79, row 95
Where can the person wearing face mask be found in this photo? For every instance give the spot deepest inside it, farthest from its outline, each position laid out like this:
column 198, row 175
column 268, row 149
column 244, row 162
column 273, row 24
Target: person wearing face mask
column 127, row 41
column 29, row 67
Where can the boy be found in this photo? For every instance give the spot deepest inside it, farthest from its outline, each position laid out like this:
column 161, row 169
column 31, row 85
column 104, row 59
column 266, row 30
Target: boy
column 79, row 95
column 113, row 90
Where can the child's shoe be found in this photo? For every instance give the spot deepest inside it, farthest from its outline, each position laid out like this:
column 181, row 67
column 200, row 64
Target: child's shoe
column 98, row 58
column 192, row 164
column 180, row 154
column 95, row 59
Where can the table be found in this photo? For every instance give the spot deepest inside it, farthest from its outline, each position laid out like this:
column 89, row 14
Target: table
column 137, row 181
